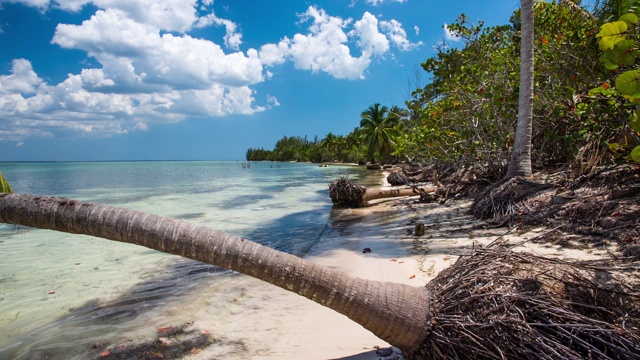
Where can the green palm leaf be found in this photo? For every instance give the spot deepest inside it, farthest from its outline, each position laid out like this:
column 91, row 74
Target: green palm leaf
column 4, row 185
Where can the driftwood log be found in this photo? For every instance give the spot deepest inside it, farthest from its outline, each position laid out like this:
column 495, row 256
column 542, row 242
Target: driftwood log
column 346, row 193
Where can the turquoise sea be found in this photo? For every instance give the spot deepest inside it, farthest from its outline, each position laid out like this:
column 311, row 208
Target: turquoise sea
column 61, row 294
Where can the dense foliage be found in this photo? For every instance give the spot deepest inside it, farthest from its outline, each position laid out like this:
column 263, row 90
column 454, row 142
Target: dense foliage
column 331, row 148
column 467, row 112
column 619, row 41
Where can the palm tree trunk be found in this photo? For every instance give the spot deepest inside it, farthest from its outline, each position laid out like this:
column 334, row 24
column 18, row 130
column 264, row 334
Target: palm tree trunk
column 373, row 194
column 396, row 313
column 520, row 164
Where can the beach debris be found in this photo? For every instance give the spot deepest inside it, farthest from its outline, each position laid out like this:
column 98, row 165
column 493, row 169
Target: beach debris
column 581, row 211
column 366, row 250
column 497, row 303
column 390, row 353
column 412, row 276
column 384, row 351
column 171, row 342
column 493, row 303
column 164, row 329
column 398, row 178
column 419, row 229
column 346, row 193
column 501, row 198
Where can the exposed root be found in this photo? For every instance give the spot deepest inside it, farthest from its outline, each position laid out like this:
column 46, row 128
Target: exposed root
column 503, row 198
column 500, row 304
column 346, row 193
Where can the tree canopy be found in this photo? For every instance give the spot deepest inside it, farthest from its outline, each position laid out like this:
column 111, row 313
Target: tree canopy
column 584, row 110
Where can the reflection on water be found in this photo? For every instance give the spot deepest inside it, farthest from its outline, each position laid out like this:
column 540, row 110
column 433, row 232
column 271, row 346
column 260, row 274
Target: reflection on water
column 62, row 295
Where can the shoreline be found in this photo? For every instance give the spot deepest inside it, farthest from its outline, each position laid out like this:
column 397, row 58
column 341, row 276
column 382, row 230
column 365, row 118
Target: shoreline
column 398, row 255
column 250, row 319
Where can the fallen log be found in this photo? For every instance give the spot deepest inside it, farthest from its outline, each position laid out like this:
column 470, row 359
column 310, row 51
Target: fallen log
column 346, row 193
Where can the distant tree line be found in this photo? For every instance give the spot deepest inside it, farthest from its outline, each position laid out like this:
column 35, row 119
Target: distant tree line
column 296, row 148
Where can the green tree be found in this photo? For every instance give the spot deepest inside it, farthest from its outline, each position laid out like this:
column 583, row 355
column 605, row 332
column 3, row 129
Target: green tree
column 619, row 41
column 379, row 131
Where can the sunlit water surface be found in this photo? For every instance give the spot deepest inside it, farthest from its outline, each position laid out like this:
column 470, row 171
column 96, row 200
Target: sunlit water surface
column 61, row 294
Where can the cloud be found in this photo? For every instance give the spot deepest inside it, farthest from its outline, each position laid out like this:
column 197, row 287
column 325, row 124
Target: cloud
column 380, row 2
column 23, row 80
column 272, row 54
column 40, row 4
column 417, row 30
column 450, row 35
column 152, row 71
column 327, row 46
column 370, row 41
column 166, row 15
column 232, row 38
column 398, row 35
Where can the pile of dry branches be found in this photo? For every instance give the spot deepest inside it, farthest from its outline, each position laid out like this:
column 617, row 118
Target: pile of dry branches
column 501, row 198
column 592, row 209
column 500, row 304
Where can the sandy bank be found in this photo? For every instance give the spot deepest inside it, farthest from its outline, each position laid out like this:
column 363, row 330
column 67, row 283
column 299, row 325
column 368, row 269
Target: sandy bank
column 396, row 255
column 377, row 243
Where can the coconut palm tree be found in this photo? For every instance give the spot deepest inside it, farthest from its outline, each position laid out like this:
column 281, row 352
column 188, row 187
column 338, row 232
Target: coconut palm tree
column 520, row 163
column 379, row 130
column 328, row 144
column 396, row 313
column 492, row 305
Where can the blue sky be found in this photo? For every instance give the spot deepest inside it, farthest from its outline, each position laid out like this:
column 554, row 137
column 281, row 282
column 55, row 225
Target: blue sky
column 206, row 79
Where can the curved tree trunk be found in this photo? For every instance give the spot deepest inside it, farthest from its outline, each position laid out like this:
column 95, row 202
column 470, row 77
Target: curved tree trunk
column 373, row 194
column 396, row 313
column 520, row 163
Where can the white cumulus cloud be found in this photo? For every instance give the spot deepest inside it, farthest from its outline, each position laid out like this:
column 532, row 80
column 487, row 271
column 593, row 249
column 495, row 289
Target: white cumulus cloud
column 398, row 35
column 450, row 35
column 23, row 79
column 150, row 69
column 380, row 2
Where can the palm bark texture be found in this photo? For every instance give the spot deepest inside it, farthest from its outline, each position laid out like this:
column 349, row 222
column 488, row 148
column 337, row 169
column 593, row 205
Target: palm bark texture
column 520, row 163
column 396, row 313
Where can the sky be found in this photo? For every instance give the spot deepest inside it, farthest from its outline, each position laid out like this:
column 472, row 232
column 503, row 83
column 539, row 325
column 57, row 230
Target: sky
column 207, row 79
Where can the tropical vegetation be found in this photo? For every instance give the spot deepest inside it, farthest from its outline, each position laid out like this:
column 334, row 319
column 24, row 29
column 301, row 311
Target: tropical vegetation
column 466, row 114
column 4, row 185
column 583, row 114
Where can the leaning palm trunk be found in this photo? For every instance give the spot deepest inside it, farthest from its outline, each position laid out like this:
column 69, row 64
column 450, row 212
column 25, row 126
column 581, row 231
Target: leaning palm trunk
column 493, row 304
column 396, row 313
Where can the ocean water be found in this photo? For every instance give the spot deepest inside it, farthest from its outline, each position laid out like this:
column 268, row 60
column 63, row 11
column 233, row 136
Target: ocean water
column 63, row 295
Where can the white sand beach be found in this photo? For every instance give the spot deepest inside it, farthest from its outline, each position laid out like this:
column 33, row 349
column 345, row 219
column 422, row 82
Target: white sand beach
column 287, row 326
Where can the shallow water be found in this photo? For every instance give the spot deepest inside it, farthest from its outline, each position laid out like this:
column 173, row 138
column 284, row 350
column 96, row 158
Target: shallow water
column 61, row 294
